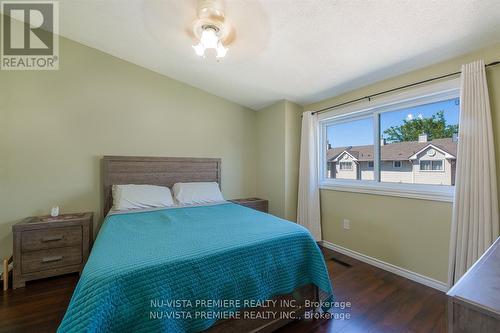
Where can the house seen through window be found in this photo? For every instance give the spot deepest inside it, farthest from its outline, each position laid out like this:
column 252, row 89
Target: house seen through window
column 418, row 145
column 345, row 145
column 345, row 166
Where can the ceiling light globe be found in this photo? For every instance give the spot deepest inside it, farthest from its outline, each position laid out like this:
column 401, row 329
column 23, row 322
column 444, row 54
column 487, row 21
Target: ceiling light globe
column 209, row 38
column 221, row 50
column 199, row 49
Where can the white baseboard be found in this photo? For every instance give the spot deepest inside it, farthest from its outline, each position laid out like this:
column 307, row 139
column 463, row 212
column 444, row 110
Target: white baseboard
column 425, row 280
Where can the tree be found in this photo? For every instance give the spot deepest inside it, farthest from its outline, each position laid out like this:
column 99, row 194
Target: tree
column 435, row 127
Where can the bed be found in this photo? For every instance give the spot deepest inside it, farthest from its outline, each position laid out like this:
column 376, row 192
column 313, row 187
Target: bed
column 217, row 267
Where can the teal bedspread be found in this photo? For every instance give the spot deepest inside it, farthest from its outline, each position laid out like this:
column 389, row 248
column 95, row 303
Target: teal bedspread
column 143, row 261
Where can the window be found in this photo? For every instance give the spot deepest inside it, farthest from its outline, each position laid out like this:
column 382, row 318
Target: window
column 436, row 165
column 425, row 165
column 345, row 165
column 425, row 136
column 348, row 154
column 388, row 146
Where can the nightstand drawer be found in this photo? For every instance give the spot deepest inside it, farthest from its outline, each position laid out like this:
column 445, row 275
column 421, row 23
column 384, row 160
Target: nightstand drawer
column 33, row 240
column 37, row 261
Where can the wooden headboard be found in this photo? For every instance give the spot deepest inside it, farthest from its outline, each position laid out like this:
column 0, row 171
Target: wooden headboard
column 163, row 171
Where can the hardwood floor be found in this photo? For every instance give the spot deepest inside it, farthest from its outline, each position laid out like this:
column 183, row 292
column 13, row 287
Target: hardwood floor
column 38, row 307
column 381, row 302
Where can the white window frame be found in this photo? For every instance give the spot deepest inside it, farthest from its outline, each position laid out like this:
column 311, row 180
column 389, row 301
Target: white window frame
column 397, row 167
column 436, row 92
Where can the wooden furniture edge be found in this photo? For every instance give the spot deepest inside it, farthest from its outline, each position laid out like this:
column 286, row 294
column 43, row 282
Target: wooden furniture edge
column 6, row 271
column 23, row 225
column 455, row 300
column 253, row 202
column 309, row 291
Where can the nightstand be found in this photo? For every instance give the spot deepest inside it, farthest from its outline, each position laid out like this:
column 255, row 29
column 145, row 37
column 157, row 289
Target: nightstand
column 254, row 203
column 47, row 246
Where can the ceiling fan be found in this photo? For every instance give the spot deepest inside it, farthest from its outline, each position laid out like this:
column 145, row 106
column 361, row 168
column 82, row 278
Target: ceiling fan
column 211, row 29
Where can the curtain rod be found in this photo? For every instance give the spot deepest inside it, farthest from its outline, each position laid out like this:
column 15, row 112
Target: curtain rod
column 369, row 97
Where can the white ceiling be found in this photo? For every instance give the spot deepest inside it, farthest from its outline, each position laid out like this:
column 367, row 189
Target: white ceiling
column 301, row 50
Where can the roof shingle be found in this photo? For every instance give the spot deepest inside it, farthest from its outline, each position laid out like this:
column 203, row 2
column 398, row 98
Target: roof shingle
column 400, row 151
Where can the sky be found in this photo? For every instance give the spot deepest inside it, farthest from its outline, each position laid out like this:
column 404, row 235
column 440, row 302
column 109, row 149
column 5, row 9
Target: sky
column 360, row 132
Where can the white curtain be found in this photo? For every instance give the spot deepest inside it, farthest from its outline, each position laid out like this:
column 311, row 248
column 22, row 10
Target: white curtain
column 475, row 210
column 308, row 213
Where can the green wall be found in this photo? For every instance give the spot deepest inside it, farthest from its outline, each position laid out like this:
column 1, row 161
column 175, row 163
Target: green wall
column 56, row 125
column 410, row 233
column 271, row 156
column 293, row 122
column 278, row 140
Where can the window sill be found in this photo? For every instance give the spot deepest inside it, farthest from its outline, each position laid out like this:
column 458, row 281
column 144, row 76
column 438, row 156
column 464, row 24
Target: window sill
column 413, row 191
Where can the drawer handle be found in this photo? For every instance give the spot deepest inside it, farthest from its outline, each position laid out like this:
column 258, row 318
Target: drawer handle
column 52, row 259
column 52, row 239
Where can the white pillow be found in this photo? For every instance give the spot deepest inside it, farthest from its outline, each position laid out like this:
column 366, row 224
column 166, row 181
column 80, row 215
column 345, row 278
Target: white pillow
column 197, row 193
column 141, row 196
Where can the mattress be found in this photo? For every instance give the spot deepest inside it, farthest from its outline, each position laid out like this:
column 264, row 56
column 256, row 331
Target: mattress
column 181, row 262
